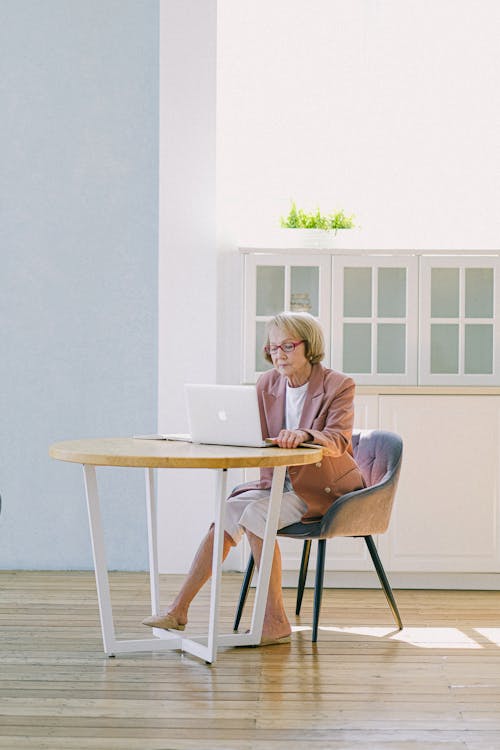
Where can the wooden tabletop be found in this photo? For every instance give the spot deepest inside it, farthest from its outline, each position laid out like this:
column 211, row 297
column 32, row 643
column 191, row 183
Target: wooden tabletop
column 177, row 454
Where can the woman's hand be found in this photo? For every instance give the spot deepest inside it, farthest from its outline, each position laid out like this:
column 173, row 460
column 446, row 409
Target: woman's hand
column 292, row 438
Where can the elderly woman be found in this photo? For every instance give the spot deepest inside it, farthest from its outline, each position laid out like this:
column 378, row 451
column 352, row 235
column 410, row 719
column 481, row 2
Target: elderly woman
column 300, row 401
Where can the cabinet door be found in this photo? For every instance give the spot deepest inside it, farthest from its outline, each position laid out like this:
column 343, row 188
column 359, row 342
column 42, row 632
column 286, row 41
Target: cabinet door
column 374, row 318
column 366, row 412
column 446, row 512
column 273, row 284
column 459, row 310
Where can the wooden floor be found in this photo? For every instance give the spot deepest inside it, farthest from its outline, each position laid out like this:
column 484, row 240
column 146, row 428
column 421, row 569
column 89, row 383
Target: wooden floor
column 435, row 686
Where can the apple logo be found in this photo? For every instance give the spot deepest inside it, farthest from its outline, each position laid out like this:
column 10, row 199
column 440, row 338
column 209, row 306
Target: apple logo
column 222, row 415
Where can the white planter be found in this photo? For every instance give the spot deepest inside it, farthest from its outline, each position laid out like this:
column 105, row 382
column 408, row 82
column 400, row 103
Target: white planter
column 314, row 238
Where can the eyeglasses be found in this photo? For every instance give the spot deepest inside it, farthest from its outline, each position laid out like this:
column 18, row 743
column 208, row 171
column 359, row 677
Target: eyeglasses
column 288, row 347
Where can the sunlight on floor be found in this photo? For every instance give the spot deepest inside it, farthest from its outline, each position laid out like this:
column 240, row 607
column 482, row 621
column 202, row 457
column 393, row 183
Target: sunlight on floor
column 423, row 637
column 492, row 634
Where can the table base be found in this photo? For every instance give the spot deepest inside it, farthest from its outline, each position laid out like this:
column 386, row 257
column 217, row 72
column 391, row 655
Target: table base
column 204, row 647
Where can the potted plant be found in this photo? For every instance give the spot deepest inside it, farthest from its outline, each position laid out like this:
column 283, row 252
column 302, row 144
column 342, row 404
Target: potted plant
column 315, row 229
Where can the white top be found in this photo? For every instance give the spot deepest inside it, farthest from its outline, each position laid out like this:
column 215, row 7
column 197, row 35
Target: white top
column 295, row 398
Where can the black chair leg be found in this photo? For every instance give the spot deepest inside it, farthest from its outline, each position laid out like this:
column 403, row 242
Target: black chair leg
column 304, row 564
column 384, row 581
column 318, row 587
column 244, row 591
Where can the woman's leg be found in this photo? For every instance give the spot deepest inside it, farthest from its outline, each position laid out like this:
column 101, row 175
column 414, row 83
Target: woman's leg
column 276, row 624
column 199, row 573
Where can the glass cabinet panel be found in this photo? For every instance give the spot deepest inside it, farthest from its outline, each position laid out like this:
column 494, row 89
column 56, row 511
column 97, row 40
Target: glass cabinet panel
column 479, row 292
column 391, row 348
column 391, row 292
column 304, row 289
column 270, row 290
column 478, row 349
column 357, row 350
column 261, row 364
column 445, row 293
column 357, row 292
column 444, row 348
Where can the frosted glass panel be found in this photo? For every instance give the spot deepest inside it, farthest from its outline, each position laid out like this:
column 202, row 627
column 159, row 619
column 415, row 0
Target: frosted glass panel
column 445, row 293
column 270, row 282
column 478, row 349
column 261, row 364
column 392, row 293
column 305, row 289
column 357, row 293
column 357, row 354
column 444, row 348
column 479, row 293
column 391, row 348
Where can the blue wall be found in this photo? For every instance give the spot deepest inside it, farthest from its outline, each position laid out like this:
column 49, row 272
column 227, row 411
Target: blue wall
column 78, row 264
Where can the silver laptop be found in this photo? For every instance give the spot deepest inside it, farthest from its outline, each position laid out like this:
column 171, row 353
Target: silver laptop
column 224, row 415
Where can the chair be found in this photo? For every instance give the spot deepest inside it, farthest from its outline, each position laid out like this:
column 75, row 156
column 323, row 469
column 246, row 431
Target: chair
column 362, row 513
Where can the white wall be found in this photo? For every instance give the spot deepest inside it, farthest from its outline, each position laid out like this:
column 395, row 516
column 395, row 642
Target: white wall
column 78, row 266
column 187, row 257
column 386, row 108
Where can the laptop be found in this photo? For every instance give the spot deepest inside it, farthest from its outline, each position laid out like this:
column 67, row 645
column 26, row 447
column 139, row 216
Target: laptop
column 224, row 415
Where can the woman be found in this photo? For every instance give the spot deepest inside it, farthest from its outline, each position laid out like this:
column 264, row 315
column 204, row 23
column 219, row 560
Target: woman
column 300, row 401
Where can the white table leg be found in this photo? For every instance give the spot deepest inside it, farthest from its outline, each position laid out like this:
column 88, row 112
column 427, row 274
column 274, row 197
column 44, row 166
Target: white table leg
column 220, row 510
column 209, row 652
column 99, row 554
column 253, row 637
column 111, row 645
column 267, row 552
column 151, row 513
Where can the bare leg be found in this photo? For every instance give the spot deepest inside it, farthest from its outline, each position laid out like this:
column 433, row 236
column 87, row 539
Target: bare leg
column 199, row 573
column 276, row 624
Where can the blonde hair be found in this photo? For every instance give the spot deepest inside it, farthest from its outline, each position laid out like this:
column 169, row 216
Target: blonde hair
column 301, row 326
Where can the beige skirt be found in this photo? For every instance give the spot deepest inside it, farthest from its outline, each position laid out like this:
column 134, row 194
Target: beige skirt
column 249, row 511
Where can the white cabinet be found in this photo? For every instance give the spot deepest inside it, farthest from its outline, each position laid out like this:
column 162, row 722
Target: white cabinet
column 389, row 318
column 446, row 515
column 445, row 525
column 410, row 326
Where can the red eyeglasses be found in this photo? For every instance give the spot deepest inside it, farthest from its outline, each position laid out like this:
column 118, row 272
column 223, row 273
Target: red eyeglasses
column 288, row 347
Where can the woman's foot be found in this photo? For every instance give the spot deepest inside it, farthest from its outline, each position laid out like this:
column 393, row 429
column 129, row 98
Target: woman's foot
column 276, row 629
column 167, row 621
column 275, row 641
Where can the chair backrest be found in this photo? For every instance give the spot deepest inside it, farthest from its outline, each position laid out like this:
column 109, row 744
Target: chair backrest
column 364, row 512
column 377, row 453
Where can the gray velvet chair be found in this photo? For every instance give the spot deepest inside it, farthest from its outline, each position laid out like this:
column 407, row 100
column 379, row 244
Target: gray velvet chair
column 362, row 513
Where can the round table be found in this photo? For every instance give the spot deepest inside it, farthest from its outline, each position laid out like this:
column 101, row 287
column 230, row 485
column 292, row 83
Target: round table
column 169, row 454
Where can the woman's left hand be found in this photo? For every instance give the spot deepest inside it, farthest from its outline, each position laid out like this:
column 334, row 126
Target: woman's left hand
column 292, row 438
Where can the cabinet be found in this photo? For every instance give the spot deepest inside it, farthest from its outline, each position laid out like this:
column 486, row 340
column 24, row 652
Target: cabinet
column 445, row 525
column 420, row 336
column 389, row 318
column 446, row 517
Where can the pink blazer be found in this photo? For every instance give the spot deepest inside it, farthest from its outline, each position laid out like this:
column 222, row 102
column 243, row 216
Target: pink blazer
column 328, row 416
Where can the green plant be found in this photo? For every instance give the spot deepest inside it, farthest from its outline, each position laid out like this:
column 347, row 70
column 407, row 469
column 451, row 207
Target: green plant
column 299, row 219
